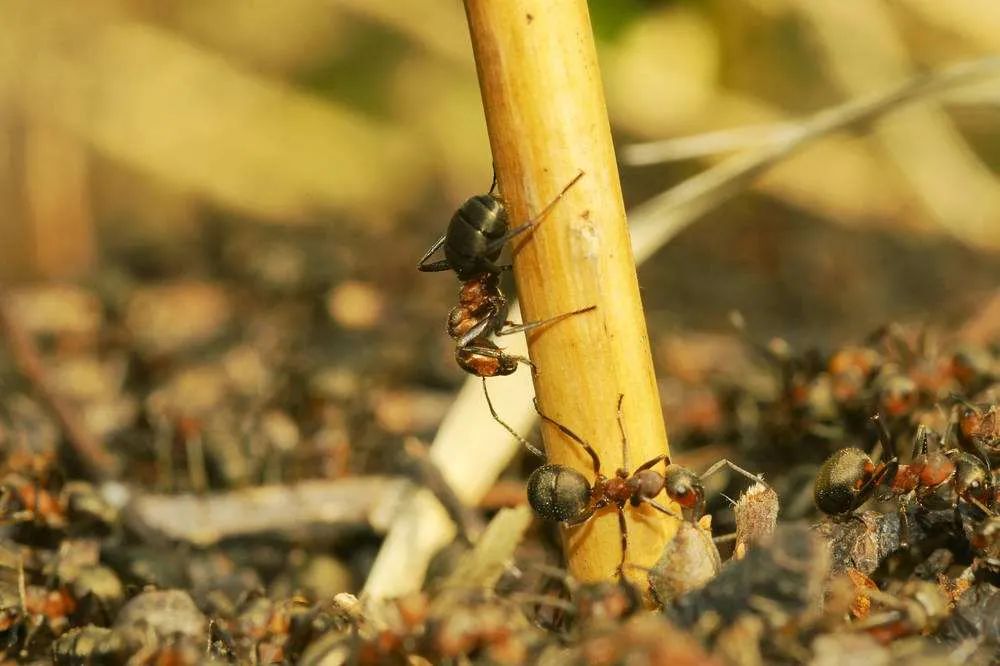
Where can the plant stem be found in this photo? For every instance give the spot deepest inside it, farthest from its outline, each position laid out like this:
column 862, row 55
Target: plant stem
column 547, row 121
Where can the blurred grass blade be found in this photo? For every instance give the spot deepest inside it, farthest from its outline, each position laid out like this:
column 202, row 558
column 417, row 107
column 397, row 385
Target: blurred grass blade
column 161, row 105
column 708, row 143
column 954, row 81
column 656, row 221
column 863, row 51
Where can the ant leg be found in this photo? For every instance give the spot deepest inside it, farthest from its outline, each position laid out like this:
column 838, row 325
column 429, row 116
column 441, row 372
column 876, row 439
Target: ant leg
column 757, row 478
column 919, row 442
column 528, row 445
column 534, row 222
column 983, row 456
column 475, row 332
column 659, row 507
column 904, row 524
column 576, row 438
column 623, row 526
column 519, row 328
column 885, row 474
column 493, row 185
column 441, row 265
column 884, row 438
column 650, row 463
column 626, row 464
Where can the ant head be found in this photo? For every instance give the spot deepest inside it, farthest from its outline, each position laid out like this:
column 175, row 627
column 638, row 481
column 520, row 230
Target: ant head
column 684, row 487
column 843, row 482
column 972, row 478
column 558, row 493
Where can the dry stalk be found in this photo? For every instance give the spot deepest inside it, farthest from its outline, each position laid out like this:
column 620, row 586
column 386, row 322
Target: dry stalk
column 547, row 121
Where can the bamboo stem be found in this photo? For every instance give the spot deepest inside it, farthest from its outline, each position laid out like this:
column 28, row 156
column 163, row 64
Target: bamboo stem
column 547, row 121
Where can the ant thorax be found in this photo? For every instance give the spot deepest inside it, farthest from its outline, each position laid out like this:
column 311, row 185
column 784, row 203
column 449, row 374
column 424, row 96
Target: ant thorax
column 617, row 489
column 482, row 306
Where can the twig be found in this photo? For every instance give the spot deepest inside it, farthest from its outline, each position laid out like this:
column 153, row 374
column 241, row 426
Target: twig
column 659, row 219
column 792, row 134
column 95, row 459
column 280, row 510
column 428, row 475
column 547, row 122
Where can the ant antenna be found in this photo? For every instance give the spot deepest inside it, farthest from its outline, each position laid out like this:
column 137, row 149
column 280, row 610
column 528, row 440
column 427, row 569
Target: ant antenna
column 884, row 437
column 493, row 185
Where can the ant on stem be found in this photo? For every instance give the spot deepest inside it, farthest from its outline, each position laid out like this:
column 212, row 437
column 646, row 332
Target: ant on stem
column 475, row 237
column 562, row 494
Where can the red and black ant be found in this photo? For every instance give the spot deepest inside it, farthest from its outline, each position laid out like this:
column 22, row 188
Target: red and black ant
column 937, row 479
column 562, row 494
column 475, row 237
column 979, row 430
column 473, row 242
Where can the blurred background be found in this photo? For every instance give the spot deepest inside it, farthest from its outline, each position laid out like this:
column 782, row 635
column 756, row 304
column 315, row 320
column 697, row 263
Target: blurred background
column 211, row 213
column 229, row 187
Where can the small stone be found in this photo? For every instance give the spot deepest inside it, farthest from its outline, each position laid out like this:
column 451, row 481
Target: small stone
column 164, row 613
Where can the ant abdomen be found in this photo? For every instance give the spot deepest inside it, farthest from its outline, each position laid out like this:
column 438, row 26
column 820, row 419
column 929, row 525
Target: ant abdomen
column 841, row 479
column 481, row 220
column 558, row 493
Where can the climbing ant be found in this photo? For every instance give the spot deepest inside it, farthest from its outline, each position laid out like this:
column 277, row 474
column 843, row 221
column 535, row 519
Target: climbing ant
column 849, row 478
column 477, row 233
column 562, row 494
column 473, row 242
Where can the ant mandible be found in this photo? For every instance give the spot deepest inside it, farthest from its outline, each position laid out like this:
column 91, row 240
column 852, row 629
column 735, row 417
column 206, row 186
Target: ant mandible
column 562, row 494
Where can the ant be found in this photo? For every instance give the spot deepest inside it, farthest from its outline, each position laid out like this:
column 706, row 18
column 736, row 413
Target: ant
column 849, row 478
column 477, row 233
column 979, row 429
column 472, row 244
column 562, row 494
